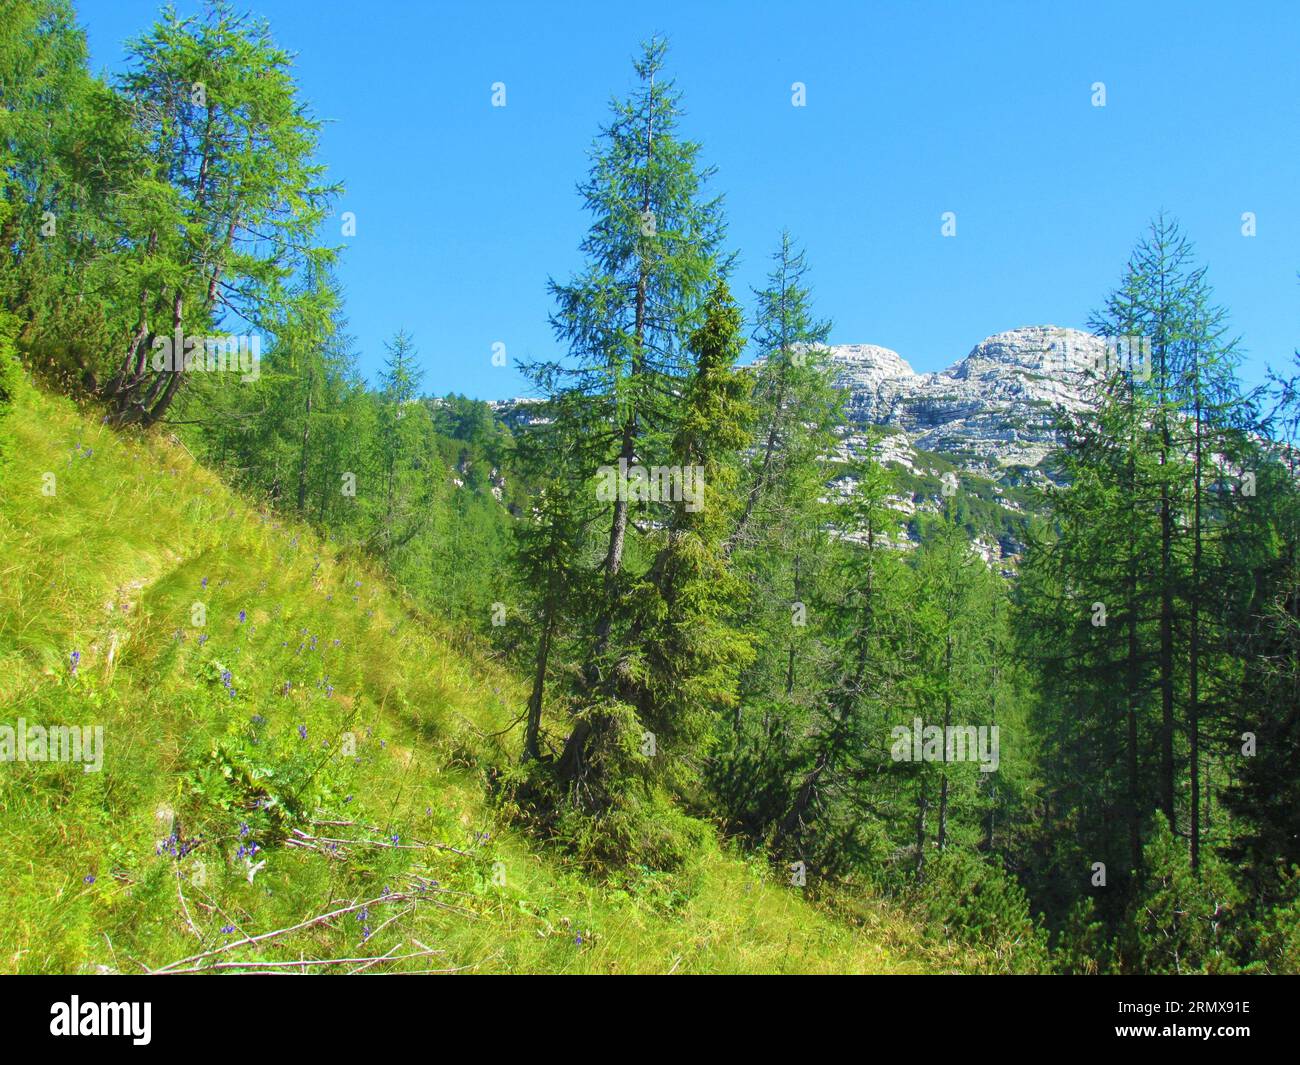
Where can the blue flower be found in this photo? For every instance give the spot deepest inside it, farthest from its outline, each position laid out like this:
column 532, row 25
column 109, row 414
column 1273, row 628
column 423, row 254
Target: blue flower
column 302, row 732
column 74, row 658
column 89, row 879
column 242, row 616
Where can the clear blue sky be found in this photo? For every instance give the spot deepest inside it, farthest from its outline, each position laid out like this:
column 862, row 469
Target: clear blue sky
column 913, row 109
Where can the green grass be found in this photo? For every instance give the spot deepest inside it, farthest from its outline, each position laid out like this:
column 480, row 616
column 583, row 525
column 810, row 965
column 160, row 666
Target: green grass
column 110, row 567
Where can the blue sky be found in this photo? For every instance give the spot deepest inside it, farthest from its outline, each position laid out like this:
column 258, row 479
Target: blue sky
column 913, row 109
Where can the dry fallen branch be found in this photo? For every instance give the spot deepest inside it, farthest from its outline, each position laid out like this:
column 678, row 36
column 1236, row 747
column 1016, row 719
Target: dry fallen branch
column 256, row 965
column 265, row 936
column 415, row 845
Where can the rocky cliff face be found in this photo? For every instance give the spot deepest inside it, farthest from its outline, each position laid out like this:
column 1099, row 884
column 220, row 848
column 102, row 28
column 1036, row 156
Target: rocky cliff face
column 990, row 411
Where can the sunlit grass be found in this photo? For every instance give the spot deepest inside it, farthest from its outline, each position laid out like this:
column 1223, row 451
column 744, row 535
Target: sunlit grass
column 110, row 568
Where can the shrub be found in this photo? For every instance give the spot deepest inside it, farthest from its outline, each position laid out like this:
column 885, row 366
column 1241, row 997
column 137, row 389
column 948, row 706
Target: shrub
column 1179, row 922
column 980, row 904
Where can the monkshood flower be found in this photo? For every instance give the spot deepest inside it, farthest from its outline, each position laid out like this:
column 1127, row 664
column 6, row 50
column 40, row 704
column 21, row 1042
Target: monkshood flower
column 177, row 847
column 74, row 658
column 302, row 732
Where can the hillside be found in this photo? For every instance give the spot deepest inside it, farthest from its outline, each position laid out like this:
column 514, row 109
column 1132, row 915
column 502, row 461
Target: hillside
column 227, row 738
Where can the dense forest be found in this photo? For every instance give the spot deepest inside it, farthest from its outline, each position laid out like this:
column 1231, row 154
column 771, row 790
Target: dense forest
column 1090, row 766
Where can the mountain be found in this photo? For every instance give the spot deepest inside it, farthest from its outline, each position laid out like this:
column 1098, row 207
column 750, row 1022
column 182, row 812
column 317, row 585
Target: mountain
column 987, row 420
column 990, row 412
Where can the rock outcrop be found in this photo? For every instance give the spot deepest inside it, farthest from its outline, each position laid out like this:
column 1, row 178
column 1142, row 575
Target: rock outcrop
column 989, row 411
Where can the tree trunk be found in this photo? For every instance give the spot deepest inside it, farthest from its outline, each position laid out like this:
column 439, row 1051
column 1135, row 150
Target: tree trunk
column 534, row 727
column 302, row 460
column 947, row 723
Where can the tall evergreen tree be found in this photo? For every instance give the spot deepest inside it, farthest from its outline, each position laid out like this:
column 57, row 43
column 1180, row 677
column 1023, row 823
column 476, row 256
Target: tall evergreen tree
column 652, row 253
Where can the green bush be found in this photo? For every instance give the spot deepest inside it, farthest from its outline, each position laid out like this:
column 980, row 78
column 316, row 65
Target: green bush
column 259, row 785
column 980, row 904
column 1179, row 922
column 1277, row 935
column 1083, row 947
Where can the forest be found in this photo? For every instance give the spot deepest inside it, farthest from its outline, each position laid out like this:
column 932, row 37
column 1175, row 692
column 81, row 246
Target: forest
column 1090, row 766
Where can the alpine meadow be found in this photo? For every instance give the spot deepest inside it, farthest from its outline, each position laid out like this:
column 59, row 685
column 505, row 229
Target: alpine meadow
column 677, row 630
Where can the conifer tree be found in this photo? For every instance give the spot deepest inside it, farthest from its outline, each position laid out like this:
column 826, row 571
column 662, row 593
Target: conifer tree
column 652, row 255
column 224, row 196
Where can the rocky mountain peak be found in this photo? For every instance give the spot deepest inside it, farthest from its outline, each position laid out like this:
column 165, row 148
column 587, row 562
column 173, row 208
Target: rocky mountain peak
column 990, row 410
column 870, row 364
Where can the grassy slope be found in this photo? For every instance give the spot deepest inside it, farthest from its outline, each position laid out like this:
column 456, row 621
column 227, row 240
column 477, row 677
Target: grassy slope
column 110, row 567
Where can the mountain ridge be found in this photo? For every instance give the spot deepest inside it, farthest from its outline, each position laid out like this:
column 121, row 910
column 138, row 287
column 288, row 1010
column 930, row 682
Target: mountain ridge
column 990, row 411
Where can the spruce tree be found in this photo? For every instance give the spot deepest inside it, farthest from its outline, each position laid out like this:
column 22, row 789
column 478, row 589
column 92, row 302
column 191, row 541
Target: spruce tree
column 652, row 254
